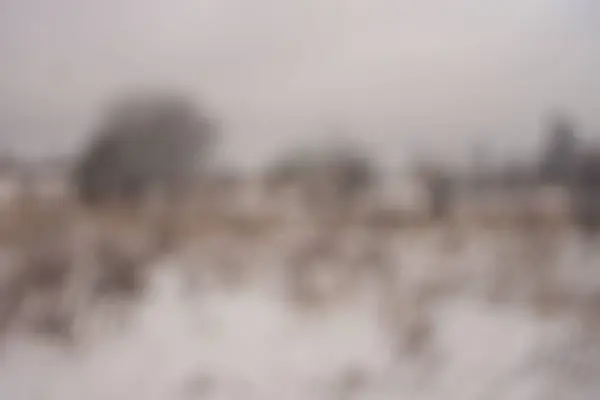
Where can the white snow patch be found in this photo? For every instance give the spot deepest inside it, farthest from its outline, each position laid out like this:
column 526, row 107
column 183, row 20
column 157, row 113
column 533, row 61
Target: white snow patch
column 252, row 345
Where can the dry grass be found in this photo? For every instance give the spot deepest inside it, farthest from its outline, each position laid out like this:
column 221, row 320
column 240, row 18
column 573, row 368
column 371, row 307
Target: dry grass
column 392, row 219
column 52, row 255
column 351, row 383
column 120, row 273
column 35, row 290
column 320, row 271
column 335, row 264
column 29, row 222
column 418, row 335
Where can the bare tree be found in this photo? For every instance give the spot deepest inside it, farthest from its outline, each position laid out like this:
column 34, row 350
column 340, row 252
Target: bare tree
column 440, row 186
column 146, row 141
column 586, row 192
column 559, row 157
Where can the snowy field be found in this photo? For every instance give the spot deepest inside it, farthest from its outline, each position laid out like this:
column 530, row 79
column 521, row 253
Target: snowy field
column 425, row 313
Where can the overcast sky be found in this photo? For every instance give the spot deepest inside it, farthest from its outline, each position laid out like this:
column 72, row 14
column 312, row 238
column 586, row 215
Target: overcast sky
column 399, row 74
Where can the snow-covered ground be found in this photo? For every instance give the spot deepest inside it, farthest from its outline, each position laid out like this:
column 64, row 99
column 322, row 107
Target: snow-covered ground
column 425, row 318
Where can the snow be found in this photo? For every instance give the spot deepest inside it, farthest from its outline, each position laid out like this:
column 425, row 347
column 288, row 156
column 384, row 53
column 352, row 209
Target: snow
column 253, row 343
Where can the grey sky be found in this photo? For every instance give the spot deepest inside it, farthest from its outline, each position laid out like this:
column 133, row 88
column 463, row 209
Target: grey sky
column 399, row 74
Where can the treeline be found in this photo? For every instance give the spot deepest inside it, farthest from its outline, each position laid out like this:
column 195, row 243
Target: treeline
column 156, row 142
